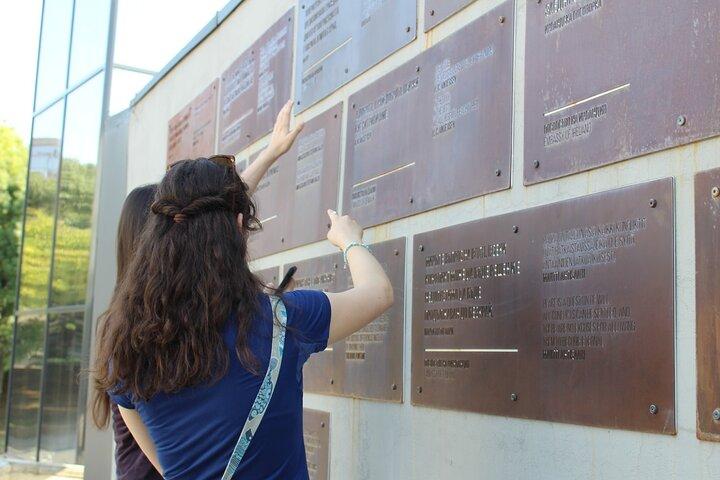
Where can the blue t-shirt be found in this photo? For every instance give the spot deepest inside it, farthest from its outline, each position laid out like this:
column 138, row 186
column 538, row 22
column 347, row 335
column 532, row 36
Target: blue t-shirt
column 196, row 429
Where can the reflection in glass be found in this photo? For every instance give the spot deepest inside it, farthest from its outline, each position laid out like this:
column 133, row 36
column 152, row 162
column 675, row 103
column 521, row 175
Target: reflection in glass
column 125, row 85
column 89, row 44
column 6, row 336
column 40, row 213
column 25, row 393
column 77, row 189
column 58, row 433
column 54, row 49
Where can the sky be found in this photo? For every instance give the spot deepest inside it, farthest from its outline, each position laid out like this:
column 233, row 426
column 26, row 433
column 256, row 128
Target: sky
column 150, row 33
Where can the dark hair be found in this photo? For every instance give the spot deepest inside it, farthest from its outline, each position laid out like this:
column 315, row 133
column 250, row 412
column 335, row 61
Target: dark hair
column 188, row 274
column 132, row 220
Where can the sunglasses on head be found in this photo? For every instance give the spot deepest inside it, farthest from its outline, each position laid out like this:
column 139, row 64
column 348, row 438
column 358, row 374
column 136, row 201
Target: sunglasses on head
column 227, row 161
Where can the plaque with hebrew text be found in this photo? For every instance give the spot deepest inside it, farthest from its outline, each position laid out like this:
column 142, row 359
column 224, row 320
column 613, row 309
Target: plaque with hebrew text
column 563, row 312
column 367, row 364
column 340, row 39
column 316, row 436
column 256, row 86
column 191, row 132
column 609, row 80
column 438, row 10
column 707, row 291
column 436, row 130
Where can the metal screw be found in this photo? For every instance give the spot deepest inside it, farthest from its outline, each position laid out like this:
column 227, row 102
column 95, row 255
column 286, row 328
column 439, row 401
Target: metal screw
column 539, row 2
column 303, row 7
column 407, row 29
column 715, row 192
column 335, row 116
column 282, row 240
column 396, row 252
column 322, row 424
column 515, row 229
column 652, row 203
column 411, row 200
column 419, row 389
column 393, row 386
column 536, row 164
column 498, row 172
column 353, row 105
column 432, row 13
column 329, row 225
column 334, row 265
column 298, row 102
column 653, row 409
column 347, row 70
column 513, row 397
column 421, row 248
column 501, row 19
column 332, row 382
column 417, row 69
column 716, row 414
column 681, row 120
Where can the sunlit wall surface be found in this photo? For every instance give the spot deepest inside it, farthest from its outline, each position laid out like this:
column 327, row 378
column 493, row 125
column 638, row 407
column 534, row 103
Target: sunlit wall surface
column 42, row 383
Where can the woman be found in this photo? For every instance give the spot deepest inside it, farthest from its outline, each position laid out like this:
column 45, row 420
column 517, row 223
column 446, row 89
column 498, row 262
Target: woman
column 188, row 339
column 130, row 462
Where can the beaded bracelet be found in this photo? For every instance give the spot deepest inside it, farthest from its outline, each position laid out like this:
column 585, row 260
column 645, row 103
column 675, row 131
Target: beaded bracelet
column 349, row 246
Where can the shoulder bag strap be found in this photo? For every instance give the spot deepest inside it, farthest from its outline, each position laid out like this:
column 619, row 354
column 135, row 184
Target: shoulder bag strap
column 267, row 388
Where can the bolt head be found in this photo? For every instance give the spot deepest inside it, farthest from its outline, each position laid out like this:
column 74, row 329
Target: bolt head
column 332, row 381
column 393, row 386
column 407, row 29
column 715, row 192
column 432, row 13
column 498, row 172
column 411, row 199
column 513, row 397
column 419, row 389
column 652, row 203
column 515, row 229
column 335, row 265
column 396, row 252
column 536, row 164
column 681, row 120
column 421, row 248
column 501, row 19
column 322, row 424
column 653, row 409
column 716, row 414
column 282, row 240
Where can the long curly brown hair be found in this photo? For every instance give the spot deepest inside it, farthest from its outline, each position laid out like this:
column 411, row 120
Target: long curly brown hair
column 164, row 328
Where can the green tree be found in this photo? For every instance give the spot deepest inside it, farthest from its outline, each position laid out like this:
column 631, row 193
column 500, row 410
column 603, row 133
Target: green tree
column 13, row 167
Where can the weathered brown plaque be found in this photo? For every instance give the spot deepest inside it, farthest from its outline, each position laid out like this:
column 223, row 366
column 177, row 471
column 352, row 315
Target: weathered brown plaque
column 707, row 291
column 367, row 364
column 563, row 312
column 438, row 10
column 316, row 435
column 340, row 39
column 191, row 132
column 256, row 86
column 436, row 130
column 269, row 275
column 595, row 94
column 294, row 196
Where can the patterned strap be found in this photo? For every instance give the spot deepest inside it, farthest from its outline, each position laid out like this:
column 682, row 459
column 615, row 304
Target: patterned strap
column 267, row 388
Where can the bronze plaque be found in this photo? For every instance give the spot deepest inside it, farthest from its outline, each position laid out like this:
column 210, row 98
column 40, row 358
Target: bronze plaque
column 369, row 363
column 438, row 10
column 295, row 194
column 191, row 132
column 316, row 435
column 609, row 80
column 256, row 86
column 436, row 130
column 707, row 291
column 563, row 312
column 269, row 276
column 340, row 39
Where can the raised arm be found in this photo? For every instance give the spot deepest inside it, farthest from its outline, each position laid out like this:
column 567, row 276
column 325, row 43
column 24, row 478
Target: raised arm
column 280, row 142
column 372, row 293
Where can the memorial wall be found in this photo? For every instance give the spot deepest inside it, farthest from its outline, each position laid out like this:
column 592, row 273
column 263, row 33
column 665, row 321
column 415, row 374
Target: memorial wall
column 541, row 181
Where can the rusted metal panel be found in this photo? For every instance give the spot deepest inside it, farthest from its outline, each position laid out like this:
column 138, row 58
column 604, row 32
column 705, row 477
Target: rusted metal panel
column 340, row 39
column 316, row 435
column 563, row 312
column 595, row 96
column 256, row 86
column 269, row 275
column 438, row 10
column 369, row 363
column 436, row 130
column 707, row 291
column 295, row 194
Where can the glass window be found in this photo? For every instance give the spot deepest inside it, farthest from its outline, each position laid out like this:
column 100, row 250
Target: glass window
column 77, row 189
column 58, row 433
column 25, row 393
column 125, row 85
column 54, row 50
column 40, row 213
column 6, row 336
column 90, row 35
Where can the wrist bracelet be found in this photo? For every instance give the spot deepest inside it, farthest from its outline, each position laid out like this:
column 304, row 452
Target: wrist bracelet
column 349, row 246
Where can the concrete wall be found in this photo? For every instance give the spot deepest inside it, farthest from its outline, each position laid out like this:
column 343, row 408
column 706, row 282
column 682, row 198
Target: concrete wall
column 374, row 440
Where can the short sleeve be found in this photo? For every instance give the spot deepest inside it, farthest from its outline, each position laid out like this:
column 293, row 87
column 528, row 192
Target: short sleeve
column 309, row 316
column 124, row 400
